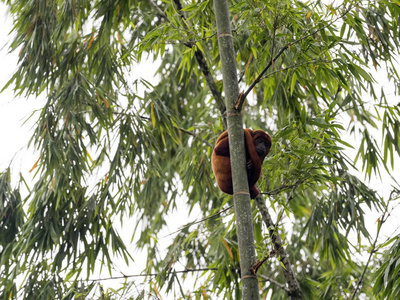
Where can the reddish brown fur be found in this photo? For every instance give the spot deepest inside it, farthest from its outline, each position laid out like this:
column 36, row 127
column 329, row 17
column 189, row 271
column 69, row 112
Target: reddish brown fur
column 221, row 162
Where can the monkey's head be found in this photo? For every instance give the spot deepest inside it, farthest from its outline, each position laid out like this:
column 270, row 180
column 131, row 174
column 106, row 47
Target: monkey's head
column 262, row 141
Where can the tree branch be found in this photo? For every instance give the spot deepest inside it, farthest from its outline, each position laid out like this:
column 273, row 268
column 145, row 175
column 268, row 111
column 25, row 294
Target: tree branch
column 199, row 221
column 294, row 288
column 373, row 249
column 314, row 61
column 151, row 274
column 282, row 188
column 196, row 136
column 282, row 286
column 273, row 59
column 201, row 60
column 159, row 10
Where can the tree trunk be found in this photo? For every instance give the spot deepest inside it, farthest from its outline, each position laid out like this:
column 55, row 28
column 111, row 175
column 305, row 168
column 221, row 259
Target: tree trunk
column 241, row 197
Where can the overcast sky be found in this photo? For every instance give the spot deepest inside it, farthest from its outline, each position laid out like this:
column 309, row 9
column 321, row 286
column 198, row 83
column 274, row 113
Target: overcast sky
column 13, row 111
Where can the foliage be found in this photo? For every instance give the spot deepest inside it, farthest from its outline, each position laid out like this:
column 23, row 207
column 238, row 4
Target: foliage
column 114, row 146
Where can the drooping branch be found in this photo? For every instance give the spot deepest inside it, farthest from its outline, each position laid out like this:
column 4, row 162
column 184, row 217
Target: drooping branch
column 217, row 214
column 196, row 136
column 278, row 284
column 201, row 60
column 158, row 9
column 294, row 66
column 151, row 274
column 193, row 134
column 381, row 220
column 293, row 286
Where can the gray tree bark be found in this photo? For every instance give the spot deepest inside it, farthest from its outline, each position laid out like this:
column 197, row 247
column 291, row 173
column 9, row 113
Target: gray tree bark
column 241, row 196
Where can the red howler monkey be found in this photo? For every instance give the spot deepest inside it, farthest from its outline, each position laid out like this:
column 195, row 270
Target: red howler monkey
column 257, row 145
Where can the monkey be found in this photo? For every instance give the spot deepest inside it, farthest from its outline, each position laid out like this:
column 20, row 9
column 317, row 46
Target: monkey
column 257, row 145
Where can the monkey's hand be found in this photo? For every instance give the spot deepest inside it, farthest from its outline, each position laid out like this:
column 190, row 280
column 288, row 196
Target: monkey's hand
column 249, row 165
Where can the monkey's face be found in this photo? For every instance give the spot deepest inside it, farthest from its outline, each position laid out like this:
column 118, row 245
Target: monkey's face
column 262, row 147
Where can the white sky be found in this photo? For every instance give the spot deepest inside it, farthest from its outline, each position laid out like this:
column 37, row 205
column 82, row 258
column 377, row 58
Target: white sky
column 14, row 137
column 13, row 111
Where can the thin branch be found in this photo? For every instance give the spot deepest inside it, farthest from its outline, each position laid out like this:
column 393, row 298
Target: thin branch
column 180, row 7
column 197, row 222
column 201, row 60
column 293, row 187
column 282, row 188
column 382, row 220
column 272, row 60
column 198, row 55
column 368, row 261
column 159, row 10
column 196, row 136
column 205, row 38
column 278, row 284
column 293, row 285
column 151, row 274
column 274, row 35
column 314, row 61
column 257, row 265
column 291, row 195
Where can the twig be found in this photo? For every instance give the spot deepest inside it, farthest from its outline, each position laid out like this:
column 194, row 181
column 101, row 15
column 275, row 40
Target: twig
column 159, row 10
column 291, row 195
column 151, row 274
column 293, row 285
column 273, row 59
column 196, row 222
column 373, row 248
column 282, row 188
column 201, row 60
column 180, row 7
column 195, row 136
column 246, row 67
column 257, row 265
column 199, row 56
column 281, row 285
column 315, row 61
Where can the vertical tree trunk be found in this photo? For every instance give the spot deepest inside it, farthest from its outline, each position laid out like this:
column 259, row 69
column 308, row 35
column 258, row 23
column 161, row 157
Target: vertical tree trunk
column 241, row 197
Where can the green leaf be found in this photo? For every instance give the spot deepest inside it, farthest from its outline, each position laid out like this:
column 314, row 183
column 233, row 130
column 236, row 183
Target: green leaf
column 293, row 83
column 153, row 119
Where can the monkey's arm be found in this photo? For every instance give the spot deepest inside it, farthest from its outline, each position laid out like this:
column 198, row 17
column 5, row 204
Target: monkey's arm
column 222, row 145
column 253, row 163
